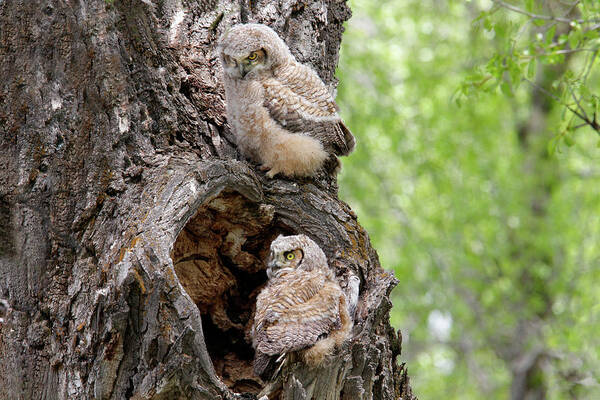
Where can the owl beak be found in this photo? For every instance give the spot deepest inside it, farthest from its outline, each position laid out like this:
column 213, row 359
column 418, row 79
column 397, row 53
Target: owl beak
column 242, row 68
column 272, row 267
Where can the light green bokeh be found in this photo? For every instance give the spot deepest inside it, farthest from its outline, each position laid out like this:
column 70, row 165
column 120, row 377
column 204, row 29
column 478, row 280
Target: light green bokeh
column 447, row 195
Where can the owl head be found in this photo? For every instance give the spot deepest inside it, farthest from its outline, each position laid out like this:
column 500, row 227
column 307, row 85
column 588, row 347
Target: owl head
column 289, row 253
column 247, row 50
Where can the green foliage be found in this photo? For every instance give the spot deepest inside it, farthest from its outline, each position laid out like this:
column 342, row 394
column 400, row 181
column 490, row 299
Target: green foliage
column 494, row 242
column 531, row 35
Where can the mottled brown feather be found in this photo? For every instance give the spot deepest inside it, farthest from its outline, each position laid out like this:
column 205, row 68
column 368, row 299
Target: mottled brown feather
column 298, row 100
column 294, row 311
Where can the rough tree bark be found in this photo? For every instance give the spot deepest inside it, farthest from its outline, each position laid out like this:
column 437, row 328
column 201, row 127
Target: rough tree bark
column 132, row 234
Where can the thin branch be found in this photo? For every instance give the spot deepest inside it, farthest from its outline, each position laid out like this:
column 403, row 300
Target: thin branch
column 593, row 123
column 521, row 31
column 532, row 15
column 592, row 28
column 568, row 51
column 557, row 52
column 539, row 16
column 547, row 28
column 566, row 3
column 577, row 102
column 541, row 89
column 573, row 7
column 590, row 66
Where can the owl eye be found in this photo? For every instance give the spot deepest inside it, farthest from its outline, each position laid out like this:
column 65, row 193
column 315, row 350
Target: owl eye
column 253, row 56
column 289, row 255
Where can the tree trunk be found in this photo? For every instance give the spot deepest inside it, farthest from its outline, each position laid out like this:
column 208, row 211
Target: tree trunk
column 132, row 235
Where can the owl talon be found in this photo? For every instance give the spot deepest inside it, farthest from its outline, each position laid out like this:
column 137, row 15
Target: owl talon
column 269, row 171
column 271, row 174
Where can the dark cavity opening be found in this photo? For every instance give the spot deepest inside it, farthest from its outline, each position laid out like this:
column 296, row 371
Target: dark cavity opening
column 219, row 259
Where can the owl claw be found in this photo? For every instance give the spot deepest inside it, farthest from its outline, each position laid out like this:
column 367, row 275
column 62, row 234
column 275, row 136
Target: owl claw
column 281, row 361
column 270, row 171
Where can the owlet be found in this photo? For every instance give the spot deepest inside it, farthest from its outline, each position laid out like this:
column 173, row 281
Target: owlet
column 302, row 307
column 281, row 113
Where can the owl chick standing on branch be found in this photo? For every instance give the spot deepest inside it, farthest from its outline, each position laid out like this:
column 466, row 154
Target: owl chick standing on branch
column 282, row 115
column 302, row 308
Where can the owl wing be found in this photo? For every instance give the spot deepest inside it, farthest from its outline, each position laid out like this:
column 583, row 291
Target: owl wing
column 299, row 101
column 308, row 310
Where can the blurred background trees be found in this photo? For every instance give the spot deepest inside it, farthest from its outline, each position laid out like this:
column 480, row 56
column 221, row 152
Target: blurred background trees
column 477, row 176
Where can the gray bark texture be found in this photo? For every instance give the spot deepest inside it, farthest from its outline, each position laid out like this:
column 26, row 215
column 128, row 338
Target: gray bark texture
column 132, row 234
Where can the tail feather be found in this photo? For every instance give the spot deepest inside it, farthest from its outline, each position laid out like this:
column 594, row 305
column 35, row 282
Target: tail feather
column 350, row 141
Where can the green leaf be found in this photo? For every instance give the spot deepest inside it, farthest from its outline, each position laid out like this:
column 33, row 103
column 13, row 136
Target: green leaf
column 529, row 5
column 563, row 38
column 564, row 125
column 487, row 24
column 531, row 68
column 574, row 39
column 569, row 141
column 514, row 71
column 481, row 16
column 550, row 35
column 591, row 34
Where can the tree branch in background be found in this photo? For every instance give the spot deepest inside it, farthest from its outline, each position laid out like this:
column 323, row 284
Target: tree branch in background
column 541, row 17
column 593, row 123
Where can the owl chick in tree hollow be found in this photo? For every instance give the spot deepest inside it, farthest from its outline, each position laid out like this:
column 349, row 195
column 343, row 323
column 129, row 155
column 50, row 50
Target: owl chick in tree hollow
column 302, row 308
column 281, row 113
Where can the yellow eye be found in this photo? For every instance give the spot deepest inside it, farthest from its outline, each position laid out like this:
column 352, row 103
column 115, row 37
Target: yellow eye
column 253, row 56
column 290, row 256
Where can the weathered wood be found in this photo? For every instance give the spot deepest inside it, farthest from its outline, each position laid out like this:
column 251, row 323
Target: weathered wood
column 132, row 235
